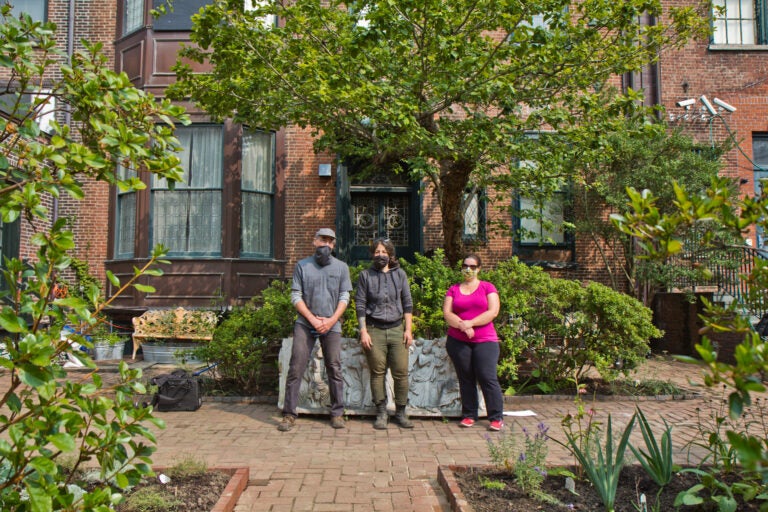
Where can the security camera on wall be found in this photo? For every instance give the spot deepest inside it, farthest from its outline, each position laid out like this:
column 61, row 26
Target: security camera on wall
column 686, row 103
column 708, row 105
column 724, row 105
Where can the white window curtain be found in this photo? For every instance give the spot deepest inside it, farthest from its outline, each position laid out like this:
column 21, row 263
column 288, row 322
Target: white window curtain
column 187, row 219
column 258, row 190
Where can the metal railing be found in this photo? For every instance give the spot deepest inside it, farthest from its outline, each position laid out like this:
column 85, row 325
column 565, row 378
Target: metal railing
column 726, row 269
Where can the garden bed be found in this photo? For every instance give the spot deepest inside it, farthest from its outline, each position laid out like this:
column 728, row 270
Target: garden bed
column 216, row 490
column 466, row 493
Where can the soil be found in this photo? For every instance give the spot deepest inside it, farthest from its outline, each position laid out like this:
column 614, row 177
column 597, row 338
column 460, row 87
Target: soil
column 633, row 482
column 188, row 493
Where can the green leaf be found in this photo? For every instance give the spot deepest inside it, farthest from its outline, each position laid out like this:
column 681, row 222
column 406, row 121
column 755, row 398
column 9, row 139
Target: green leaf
column 10, row 322
column 39, row 499
column 113, row 279
column 144, row 288
column 43, row 465
column 692, row 499
column 63, row 442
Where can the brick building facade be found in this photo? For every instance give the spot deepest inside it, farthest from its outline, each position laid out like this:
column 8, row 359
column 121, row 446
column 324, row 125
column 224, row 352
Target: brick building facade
column 731, row 66
column 307, row 191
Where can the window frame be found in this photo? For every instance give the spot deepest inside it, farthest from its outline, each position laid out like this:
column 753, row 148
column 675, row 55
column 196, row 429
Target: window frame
column 481, row 198
column 124, row 173
column 756, row 19
column 16, row 10
column 563, row 192
column 40, row 100
column 138, row 23
column 269, row 20
column 759, row 172
column 541, row 241
column 10, row 241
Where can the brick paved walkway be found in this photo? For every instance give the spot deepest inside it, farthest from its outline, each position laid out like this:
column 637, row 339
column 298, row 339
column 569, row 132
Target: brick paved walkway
column 315, row 467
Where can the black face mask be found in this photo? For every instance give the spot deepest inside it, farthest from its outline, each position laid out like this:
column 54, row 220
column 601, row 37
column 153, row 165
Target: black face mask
column 379, row 262
column 323, row 255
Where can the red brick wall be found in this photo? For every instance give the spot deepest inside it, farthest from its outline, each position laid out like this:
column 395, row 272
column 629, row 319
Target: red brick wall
column 736, row 76
column 310, row 199
column 95, row 21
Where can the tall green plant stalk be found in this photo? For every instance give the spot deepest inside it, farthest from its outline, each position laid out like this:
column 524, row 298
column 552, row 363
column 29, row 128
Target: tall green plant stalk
column 655, row 459
column 604, row 470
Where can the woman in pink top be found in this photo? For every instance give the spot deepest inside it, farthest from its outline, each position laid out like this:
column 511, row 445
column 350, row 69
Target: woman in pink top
column 472, row 345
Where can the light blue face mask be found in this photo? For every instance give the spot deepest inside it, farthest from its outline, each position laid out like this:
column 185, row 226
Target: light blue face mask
column 469, row 273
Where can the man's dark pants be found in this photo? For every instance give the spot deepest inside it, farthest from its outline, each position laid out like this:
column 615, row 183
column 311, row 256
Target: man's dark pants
column 303, row 343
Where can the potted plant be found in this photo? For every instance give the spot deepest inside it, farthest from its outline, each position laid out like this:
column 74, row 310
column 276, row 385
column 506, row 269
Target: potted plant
column 107, row 345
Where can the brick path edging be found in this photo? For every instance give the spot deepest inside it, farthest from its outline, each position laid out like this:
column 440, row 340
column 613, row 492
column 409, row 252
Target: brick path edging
column 450, row 486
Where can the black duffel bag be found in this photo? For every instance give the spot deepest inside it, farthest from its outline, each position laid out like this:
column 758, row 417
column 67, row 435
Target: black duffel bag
column 176, row 391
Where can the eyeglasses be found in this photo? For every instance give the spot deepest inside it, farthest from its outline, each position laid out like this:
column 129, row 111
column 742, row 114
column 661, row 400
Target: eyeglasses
column 471, row 267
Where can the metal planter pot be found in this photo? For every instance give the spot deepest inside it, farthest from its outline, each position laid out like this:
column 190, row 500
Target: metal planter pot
column 103, row 351
column 165, row 353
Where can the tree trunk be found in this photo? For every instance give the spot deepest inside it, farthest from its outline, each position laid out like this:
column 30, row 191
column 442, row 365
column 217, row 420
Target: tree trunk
column 454, row 177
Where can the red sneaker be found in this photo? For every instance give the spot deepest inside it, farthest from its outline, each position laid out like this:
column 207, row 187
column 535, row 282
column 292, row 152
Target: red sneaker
column 496, row 425
column 466, row 422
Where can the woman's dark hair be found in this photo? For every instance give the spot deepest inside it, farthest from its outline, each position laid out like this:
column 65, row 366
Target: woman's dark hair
column 474, row 257
column 387, row 243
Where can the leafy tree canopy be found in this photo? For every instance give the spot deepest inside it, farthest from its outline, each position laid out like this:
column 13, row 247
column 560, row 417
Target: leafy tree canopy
column 443, row 90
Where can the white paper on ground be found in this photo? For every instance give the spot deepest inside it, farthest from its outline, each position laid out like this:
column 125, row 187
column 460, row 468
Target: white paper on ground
column 519, row 413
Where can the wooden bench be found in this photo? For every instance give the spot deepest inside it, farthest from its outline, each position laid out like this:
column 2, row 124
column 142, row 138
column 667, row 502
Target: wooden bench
column 173, row 324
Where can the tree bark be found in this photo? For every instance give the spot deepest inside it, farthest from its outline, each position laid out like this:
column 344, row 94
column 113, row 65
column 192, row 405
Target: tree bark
column 454, row 177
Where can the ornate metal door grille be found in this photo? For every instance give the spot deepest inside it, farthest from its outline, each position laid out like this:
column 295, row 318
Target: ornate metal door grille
column 378, row 215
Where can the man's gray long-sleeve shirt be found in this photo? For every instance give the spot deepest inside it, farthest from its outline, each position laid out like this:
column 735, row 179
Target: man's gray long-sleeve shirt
column 321, row 288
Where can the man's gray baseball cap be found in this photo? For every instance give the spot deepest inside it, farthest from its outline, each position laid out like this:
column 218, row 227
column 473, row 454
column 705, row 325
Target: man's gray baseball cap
column 325, row 232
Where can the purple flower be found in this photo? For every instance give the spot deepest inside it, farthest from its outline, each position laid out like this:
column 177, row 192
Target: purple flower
column 521, row 458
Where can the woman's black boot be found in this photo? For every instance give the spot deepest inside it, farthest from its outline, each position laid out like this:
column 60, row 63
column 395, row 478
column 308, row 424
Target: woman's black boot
column 401, row 418
column 381, row 416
